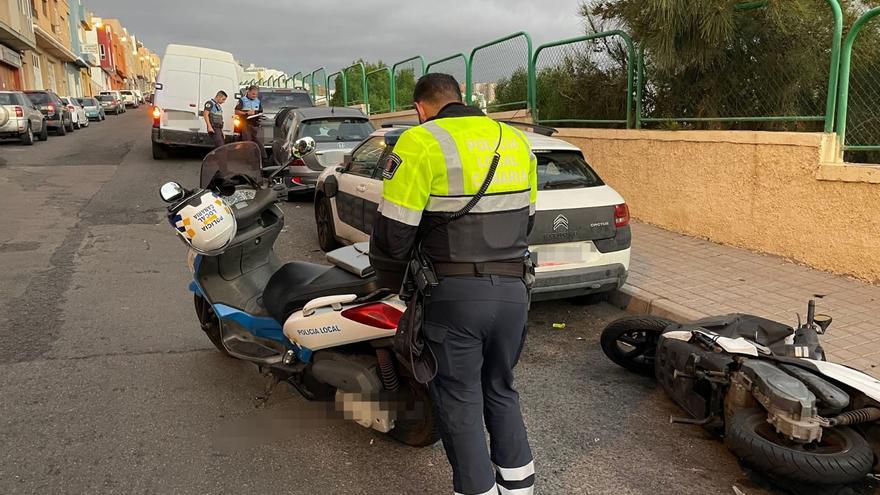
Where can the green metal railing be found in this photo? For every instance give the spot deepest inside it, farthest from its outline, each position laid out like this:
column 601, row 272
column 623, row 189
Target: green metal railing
column 404, row 81
column 580, row 72
column 501, row 62
column 308, row 85
column 293, row 78
column 318, row 84
column 355, row 85
column 380, row 91
column 863, row 133
column 333, row 79
column 457, row 66
column 809, row 41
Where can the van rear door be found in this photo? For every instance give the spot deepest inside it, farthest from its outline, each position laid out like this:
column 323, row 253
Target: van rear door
column 179, row 96
column 218, row 76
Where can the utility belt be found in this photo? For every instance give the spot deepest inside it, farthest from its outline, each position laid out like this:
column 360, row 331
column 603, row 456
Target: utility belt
column 501, row 268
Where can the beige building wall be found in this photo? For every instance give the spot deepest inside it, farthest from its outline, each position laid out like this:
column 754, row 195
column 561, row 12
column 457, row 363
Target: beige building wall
column 772, row 192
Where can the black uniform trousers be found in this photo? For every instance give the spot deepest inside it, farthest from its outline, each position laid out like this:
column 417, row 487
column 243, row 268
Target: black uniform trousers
column 217, row 137
column 476, row 327
column 251, row 132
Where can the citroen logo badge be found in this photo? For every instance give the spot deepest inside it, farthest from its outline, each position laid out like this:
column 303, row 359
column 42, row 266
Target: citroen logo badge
column 561, row 222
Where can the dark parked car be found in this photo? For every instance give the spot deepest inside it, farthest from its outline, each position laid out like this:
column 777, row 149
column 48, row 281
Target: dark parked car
column 58, row 117
column 111, row 105
column 336, row 131
column 274, row 100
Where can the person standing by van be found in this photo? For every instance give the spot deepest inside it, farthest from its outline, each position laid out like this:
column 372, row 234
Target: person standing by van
column 248, row 107
column 213, row 115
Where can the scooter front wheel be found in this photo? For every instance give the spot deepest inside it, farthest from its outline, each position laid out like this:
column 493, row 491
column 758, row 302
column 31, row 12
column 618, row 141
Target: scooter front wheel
column 416, row 424
column 631, row 342
column 209, row 322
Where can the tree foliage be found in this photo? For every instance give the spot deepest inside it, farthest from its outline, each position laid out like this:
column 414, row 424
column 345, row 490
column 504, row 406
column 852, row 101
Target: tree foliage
column 703, row 59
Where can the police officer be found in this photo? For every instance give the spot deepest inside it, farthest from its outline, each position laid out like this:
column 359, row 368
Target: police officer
column 248, row 106
column 475, row 319
column 213, row 115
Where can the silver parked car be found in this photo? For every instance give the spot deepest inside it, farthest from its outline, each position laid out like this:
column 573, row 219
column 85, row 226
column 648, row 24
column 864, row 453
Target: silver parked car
column 21, row 119
column 336, row 131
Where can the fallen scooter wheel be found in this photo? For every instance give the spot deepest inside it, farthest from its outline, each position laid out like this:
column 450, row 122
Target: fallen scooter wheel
column 631, row 342
column 842, row 456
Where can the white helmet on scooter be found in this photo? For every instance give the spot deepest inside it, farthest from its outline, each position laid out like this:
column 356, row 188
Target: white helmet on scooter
column 205, row 222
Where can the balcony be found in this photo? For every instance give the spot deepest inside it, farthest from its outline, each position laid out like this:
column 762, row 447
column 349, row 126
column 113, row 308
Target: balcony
column 84, row 18
column 16, row 40
column 53, row 45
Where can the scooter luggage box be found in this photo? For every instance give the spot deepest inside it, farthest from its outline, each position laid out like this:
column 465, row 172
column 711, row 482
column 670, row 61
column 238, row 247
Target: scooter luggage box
column 354, row 259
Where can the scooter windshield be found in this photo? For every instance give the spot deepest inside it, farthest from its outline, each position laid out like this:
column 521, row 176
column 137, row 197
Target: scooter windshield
column 241, row 158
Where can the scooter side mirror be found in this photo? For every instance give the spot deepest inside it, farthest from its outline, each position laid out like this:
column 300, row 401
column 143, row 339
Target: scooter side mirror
column 824, row 321
column 171, row 192
column 303, row 146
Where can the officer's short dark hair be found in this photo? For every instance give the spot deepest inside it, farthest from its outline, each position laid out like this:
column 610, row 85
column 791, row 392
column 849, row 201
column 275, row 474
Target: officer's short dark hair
column 436, row 88
column 252, row 87
column 222, row 93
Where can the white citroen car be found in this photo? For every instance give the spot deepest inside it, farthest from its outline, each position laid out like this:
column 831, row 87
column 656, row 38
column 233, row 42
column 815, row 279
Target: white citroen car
column 581, row 238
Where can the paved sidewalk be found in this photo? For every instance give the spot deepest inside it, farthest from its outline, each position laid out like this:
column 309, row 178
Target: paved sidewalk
column 684, row 278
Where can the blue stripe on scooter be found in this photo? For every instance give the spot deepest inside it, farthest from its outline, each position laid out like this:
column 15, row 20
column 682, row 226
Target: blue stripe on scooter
column 262, row 327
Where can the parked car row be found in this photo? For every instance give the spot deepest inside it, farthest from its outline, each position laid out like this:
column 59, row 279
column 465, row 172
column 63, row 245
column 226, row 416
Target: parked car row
column 31, row 115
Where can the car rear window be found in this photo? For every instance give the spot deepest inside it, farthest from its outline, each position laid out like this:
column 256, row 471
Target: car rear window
column 565, row 170
column 89, row 102
column 41, row 98
column 8, row 99
column 274, row 101
column 331, row 130
column 105, row 98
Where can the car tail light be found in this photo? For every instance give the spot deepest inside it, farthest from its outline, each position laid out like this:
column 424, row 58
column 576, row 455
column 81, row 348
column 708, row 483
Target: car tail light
column 51, row 108
column 297, row 180
column 70, row 107
column 379, row 315
column 19, row 112
column 621, row 215
column 157, row 116
column 236, row 122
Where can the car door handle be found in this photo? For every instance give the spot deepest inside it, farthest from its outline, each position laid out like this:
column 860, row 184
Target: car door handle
column 362, row 188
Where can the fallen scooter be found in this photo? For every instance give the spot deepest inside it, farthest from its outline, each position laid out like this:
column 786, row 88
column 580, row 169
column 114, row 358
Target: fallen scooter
column 783, row 409
column 324, row 330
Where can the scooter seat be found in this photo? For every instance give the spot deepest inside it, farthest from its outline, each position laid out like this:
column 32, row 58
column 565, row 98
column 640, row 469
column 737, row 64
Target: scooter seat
column 761, row 330
column 296, row 283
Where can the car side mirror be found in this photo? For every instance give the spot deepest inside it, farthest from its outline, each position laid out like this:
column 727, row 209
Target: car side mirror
column 302, row 147
column 171, row 192
column 346, row 160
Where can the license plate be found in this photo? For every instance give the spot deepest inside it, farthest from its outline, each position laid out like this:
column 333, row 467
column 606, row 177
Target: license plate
column 564, row 254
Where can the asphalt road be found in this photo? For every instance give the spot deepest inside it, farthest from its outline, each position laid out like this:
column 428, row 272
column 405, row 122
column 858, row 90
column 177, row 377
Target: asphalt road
column 109, row 385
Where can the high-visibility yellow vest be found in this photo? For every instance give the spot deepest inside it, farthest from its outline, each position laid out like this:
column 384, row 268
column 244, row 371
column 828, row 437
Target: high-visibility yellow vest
column 438, row 167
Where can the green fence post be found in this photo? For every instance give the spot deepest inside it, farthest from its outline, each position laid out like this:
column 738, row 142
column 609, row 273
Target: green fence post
column 315, row 86
column 640, row 66
column 387, row 71
column 834, row 71
column 530, row 90
column 845, row 68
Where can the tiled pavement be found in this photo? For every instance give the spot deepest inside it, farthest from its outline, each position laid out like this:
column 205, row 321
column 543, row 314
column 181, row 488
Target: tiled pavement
column 686, row 278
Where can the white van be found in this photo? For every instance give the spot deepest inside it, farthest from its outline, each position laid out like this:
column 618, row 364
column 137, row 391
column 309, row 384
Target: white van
column 189, row 77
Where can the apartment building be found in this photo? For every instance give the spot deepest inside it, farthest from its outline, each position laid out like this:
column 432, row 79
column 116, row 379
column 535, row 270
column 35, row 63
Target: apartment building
column 16, row 36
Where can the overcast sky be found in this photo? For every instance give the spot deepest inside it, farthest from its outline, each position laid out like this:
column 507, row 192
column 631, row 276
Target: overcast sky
column 302, row 35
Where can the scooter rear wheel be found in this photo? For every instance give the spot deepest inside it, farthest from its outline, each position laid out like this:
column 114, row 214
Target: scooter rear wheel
column 417, row 424
column 842, row 456
column 209, row 322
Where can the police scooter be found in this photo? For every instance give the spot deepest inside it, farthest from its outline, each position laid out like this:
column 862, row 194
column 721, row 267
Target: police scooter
column 324, row 330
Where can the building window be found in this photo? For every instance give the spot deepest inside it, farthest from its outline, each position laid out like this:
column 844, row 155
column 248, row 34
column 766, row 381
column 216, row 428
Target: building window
column 46, row 8
column 103, row 52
